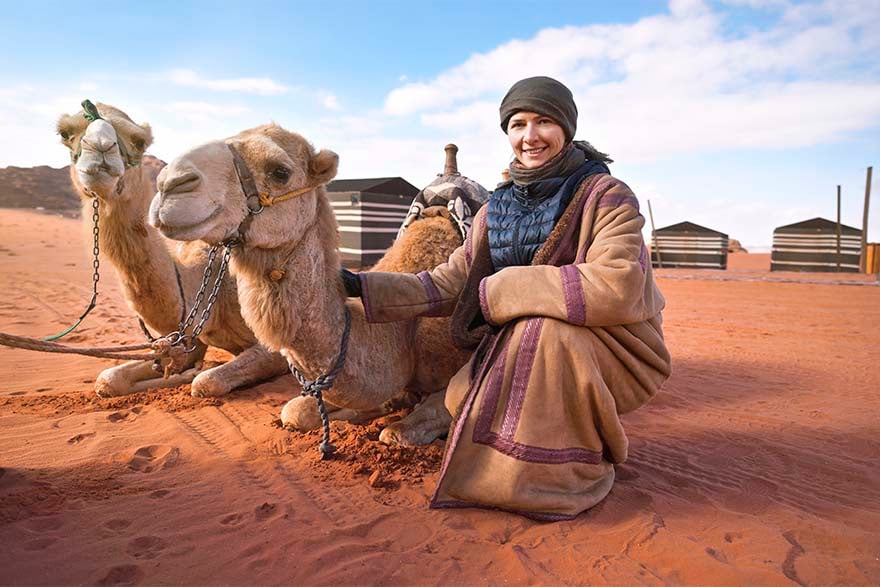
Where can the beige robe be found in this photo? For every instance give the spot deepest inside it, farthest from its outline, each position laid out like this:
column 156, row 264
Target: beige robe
column 576, row 341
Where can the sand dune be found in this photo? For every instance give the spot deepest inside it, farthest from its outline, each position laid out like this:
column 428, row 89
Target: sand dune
column 755, row 465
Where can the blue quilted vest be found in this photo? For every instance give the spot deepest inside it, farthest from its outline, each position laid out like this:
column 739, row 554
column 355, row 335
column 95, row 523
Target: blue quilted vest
column 520, row 218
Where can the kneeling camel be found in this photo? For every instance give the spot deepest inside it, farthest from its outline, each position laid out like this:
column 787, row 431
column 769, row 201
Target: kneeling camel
column 286, row 264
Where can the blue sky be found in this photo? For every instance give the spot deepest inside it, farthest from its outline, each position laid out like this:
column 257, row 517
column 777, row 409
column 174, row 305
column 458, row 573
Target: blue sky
column 741, row 115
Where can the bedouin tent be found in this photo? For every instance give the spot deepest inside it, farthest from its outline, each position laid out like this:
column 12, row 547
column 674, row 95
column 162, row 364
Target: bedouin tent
column 369, row 212
column 689, row 245
column 811, row 245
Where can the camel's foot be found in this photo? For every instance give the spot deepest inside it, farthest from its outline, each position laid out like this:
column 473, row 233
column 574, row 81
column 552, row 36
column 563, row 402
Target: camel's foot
column 301, row 413
column 427, row 422
column 136, row 376
column 249, row 367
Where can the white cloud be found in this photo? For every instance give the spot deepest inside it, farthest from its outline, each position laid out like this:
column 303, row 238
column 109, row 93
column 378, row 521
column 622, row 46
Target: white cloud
column 204, row 112
column 251, row 85
column 330, row 102
column 675, row 83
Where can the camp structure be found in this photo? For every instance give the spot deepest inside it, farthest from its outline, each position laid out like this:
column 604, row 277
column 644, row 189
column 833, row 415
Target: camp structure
column 811, row 246
column 369, row 213
column 688, row 245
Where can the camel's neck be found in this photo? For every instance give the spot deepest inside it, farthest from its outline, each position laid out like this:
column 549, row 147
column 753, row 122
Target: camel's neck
column 302, row 311
column 138, row 252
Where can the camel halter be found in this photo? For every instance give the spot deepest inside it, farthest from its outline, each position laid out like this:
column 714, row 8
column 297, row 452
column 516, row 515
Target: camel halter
column 256, row 200
column 90, row 113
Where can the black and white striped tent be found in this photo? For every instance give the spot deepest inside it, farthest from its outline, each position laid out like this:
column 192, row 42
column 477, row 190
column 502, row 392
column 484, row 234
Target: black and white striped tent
column 369, row 212
column 689, row 245
column 811, row 246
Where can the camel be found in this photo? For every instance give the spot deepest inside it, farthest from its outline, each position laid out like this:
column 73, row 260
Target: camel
column 106, row 155
column 287, row 268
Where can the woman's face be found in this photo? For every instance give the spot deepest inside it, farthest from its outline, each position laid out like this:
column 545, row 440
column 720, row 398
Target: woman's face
column 535, row 138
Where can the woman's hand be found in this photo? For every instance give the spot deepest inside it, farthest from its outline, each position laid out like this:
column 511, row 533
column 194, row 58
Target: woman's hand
column 352, row 283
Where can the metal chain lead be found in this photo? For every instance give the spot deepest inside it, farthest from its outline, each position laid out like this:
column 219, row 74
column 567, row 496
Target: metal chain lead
column 96, row 262
column 180, row 335
column 212, row 297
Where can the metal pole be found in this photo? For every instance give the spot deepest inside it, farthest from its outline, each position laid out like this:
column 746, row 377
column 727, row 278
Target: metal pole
column 863, row 259
column 654, row 246
column 838, row 229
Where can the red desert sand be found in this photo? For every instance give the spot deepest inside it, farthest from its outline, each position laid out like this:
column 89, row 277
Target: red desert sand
column 755, row 465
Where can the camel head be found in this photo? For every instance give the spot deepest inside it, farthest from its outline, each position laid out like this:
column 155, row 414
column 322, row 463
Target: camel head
column 200, row 195
column 103, row 149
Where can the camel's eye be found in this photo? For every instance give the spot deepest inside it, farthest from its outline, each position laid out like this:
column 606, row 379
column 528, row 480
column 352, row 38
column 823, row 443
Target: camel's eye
column 65, row 136
column 281, row 174
column 138, row 144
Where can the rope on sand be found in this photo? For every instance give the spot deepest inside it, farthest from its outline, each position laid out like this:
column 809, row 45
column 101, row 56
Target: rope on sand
column 160, row 348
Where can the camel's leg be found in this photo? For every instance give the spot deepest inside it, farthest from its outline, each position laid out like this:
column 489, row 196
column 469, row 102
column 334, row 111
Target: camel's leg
column 427, row 422
column 253, row 365
column 136, row 376
column 301, row 413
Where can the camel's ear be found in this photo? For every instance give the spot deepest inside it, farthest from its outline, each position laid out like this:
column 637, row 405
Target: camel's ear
column 147, row 136
column 323, row 166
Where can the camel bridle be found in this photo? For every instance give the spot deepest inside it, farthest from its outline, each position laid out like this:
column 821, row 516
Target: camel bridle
column 255, row 200
column 90, row 113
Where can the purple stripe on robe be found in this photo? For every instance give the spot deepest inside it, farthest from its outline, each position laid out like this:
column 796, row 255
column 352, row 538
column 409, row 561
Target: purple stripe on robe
column 525, row 359
column 539, row 516
column 365, row 297
column 575, row 305
column 643, row 258
column 504, row 442
column 615, row 200
column 458, row 425
column 484, row 303
column 493, row 390
column 432, row 292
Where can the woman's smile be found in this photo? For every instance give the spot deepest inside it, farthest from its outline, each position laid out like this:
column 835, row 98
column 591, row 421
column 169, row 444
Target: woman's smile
column 535, row 138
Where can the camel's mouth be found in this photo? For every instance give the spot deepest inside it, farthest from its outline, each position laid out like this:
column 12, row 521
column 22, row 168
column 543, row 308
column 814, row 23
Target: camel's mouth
column 99, row 181
column 176, row 218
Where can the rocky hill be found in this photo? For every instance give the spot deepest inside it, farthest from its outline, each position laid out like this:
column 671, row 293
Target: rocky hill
column 48, row 188
column 37, row 187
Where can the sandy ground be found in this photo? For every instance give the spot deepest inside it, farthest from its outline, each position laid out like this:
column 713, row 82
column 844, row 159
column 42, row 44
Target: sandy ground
column 757, row 463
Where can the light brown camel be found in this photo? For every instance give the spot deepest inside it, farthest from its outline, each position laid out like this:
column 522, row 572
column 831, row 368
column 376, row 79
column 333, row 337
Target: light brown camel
column 106, row 154
column 288, row 277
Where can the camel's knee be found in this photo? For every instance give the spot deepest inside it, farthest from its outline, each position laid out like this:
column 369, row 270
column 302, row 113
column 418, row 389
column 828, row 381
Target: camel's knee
column 210, row 383
column 301, row 413
column 122, row 379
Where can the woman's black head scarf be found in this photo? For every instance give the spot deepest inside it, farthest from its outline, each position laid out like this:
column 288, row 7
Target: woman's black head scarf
column 543, row 95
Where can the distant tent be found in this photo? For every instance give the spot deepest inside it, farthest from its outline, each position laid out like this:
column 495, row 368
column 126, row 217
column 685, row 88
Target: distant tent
column 811, row 245
column 689, row 245
column 369, row 212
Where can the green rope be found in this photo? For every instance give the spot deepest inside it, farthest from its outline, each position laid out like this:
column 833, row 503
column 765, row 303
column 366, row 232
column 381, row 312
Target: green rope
column 90, row 111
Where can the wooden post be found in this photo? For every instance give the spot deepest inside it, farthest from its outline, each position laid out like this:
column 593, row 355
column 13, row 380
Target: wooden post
column 451, row 167
column 838, row 229
column 863, row 258
column 654, row 247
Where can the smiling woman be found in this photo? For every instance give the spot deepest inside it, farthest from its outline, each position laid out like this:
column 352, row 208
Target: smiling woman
column 553, row 294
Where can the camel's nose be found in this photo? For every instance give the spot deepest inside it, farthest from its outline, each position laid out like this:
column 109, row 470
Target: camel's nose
column 179, row 182
column 100, row 137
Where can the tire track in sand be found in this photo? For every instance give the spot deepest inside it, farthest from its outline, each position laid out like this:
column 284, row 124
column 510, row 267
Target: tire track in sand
column 335, row 504
column 220, row 430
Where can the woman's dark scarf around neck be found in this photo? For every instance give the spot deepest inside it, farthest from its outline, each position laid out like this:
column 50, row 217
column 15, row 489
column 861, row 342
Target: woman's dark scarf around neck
column 566, row 162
